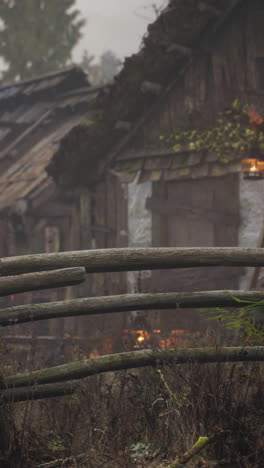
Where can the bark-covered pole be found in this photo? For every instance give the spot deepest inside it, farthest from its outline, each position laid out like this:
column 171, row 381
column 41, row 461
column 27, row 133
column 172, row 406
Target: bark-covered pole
column 44, row 280
column 130, row 259
column 125, row 303
column 38, row 392
column 114, row 362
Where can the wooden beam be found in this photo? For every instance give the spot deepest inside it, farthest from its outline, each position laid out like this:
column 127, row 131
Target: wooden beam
column 134, row 259
column 134, row 359
column 126, row 303
column 44, row 280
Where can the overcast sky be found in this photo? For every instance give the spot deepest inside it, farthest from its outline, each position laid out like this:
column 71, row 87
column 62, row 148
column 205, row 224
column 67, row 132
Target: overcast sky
column 118, row 25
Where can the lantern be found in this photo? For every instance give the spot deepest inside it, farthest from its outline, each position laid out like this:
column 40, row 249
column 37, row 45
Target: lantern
column 253, row 168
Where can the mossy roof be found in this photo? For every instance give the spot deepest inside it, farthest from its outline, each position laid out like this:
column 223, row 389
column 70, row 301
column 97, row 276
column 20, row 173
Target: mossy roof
column 184, row 23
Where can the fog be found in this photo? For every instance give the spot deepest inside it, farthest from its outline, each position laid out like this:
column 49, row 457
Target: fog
column 131, row 233
column 118, row 25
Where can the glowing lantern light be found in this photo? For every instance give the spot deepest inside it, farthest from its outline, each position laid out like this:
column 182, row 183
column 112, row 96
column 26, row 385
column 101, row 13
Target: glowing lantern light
column 253, row 168
column 140, row 339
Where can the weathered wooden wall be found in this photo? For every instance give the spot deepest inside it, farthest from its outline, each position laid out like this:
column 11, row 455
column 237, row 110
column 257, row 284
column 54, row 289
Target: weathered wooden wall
column 199, row 204
column 230, row 68
column 85, row 219
column 100, row 221
column 44, row 228
column 185, row 212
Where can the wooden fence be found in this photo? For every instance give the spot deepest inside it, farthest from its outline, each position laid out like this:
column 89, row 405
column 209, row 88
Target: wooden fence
column 33, row 272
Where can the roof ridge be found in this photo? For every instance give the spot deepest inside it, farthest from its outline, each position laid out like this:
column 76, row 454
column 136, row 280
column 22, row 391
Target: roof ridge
column 39, row 78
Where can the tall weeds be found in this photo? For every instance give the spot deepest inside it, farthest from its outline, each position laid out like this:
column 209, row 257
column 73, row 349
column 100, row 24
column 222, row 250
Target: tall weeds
column 152, row 414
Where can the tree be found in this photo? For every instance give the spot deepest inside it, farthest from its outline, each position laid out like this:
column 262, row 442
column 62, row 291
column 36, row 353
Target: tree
column 91, row 68
column 104, row 70
column 37, row 36
column 110, row 65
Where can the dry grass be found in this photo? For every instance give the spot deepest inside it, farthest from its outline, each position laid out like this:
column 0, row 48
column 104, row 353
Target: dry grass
column 147, row 418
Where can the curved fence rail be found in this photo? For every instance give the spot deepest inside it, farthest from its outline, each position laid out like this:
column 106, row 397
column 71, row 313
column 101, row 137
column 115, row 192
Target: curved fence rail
column 127, row 303
column 30, row 273
column 129, row 259
column 45, row 381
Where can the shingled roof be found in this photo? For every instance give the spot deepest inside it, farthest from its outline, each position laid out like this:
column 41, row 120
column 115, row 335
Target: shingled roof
column 34, row 117
column 171, row 43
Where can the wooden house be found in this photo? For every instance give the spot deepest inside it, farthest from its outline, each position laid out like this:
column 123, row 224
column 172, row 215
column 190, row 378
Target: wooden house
column 196, row 59
column 35, row 215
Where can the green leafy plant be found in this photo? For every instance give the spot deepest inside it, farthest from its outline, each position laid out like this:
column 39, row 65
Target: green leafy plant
column 249, row 319
column 139, row 450
column 239, row 128
column 56, row 445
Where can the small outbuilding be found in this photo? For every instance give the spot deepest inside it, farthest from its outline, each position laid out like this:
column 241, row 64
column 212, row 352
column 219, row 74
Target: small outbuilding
column 197, row 58
column 35, row 214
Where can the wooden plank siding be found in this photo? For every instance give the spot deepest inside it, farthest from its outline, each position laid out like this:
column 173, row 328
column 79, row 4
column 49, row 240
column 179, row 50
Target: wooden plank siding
column 196, row 202
column 108, row 223
column 199, row 213
column 229, row 70
column 36, row 216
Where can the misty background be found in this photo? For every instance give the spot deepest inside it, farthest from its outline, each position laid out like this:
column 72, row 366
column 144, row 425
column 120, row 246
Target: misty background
column 118, row 25
column 42, row 36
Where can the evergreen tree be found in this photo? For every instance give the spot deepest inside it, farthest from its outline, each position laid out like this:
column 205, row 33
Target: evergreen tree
column 37, row 36
column 104, row 70
column 110, row 65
